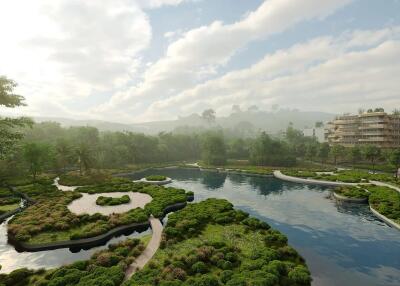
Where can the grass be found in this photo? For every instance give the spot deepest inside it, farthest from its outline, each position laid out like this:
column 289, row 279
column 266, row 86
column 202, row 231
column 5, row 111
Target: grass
column 7, row 208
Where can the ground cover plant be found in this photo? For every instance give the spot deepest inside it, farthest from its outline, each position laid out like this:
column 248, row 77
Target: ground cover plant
column 352, row 192
column 110, row 201
column 8, row 200
column 50, row 220
column 105, row 268
column 156, row 178
column 210, row 243
column 386, row 201
column 75, row 179
column 347, row 176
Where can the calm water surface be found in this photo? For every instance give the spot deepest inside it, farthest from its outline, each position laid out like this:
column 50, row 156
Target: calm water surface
column 343, row 244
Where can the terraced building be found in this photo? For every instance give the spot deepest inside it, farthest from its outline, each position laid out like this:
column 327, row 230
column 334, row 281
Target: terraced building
column 370, row 128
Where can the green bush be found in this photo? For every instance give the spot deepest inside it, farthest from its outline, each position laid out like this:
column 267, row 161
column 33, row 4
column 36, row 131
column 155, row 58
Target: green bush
column 156, row 178
column 386, row 201
column 352, row 192
column 110, row 201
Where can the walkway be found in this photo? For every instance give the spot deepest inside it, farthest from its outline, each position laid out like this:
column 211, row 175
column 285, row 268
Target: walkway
column 279, row 175
column 150, row 250
column 382, row 184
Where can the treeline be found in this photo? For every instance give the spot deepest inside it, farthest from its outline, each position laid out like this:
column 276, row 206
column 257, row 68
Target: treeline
column 48, row 146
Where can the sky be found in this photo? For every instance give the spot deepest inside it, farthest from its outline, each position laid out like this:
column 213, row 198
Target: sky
column 147, row 60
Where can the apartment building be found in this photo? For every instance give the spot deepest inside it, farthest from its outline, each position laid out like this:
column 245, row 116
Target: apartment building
column 369, row 128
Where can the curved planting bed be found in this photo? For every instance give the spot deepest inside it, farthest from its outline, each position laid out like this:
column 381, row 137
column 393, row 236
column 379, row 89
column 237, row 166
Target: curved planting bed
column 105, row 267
column 155, row 180
column 49, row 224
column 210, row 243
column 351, row 194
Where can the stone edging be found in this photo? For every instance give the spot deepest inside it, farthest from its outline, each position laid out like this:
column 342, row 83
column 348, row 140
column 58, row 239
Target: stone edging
column 91, row 241
column 158, row 183
column 384, row 218
column 279, row 175
column 350, row 200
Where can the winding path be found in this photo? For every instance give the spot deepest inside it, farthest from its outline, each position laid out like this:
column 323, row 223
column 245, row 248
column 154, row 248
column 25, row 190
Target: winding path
column 150, row 249
column 279, row 175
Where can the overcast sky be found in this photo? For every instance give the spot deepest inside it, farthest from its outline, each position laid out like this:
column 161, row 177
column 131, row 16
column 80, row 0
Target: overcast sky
column 144, row 60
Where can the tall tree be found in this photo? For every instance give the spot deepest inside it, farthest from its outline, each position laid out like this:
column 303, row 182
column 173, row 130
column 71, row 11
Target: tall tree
column 35, row 155
column 63, row 151
column 213, row 149
column 355, row 155
column 395, row 160
column 337, row 151
column 323, row 152
column 8, row 133
column 85, row 157
column 372, row 153
column 209, row 116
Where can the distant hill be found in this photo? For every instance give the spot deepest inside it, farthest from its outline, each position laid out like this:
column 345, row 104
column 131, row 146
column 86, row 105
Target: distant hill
column 271, row 122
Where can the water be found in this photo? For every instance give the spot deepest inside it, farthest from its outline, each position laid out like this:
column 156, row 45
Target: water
column 10, row 259
column 343, row 244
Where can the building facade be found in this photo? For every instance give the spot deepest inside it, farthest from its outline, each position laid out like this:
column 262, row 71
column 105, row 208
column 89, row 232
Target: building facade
column 371, row 128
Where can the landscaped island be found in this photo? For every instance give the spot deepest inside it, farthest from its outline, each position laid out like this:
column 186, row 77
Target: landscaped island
column 156, row 178
column 205, row 244
column 49, row 220
column 110, row 201
column 210, row 243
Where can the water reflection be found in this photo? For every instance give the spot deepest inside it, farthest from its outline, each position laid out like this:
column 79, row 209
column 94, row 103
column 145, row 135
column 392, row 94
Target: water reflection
column 344, row 244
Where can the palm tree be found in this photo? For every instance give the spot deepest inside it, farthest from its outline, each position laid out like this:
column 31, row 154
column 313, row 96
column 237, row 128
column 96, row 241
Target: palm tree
column 64, row 152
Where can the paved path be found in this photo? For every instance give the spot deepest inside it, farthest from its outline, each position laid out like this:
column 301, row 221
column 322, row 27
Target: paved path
column 385, row 185
column 279, row 175
column 150, row 249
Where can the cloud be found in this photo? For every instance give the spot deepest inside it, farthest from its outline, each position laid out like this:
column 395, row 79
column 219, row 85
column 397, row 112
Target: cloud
column 67, row 49
column 356, row 69
column 200, row 52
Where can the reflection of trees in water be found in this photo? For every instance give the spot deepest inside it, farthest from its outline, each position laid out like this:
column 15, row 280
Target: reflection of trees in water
column 237, row 179
column 213, row 180
column 174, row 173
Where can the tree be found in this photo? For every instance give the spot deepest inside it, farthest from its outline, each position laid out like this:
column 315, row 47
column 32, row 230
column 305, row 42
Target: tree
column 395, row 160
column 85, row 157
column 372, row 153
column 379, row 109
column 319, row 124
column 355, row 154
column 209, row 116
column 311, row 151
column 213, row 149
column 35, row 154
column 323, row 152
column 8, row 135
column 63, row 151
column 337, row 151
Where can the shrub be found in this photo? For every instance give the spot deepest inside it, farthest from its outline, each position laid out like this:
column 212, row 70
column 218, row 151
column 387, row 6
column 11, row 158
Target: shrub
column 156, row 178
column 111, row 201
column 199, row 267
